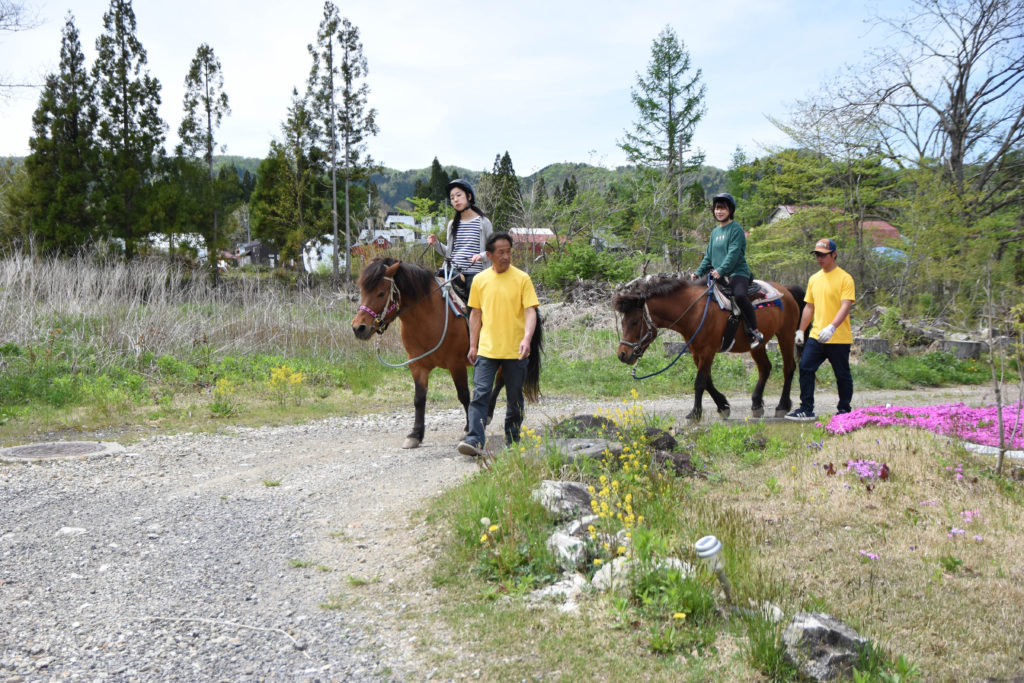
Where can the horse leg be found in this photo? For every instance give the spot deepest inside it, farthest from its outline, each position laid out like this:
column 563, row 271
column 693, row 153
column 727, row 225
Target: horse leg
column 764, row 368
column 499, row 384
column 700, row 382
column 460, row 378
column 420, row 378
column 721, row 402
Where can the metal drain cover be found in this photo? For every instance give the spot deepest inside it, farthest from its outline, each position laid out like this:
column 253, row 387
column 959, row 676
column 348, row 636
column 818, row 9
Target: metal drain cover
column 56, row 450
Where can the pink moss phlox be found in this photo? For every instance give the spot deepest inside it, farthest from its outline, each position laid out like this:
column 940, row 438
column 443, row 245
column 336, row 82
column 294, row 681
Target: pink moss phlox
column 870, row 556
column 867, row 469
column 976, row 425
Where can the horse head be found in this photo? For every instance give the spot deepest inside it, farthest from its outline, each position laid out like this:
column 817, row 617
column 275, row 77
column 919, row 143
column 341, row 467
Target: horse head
column 637, row 328
column 379, row 298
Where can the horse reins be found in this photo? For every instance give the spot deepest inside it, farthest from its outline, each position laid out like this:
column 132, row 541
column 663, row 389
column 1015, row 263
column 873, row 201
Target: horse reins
column 651, row 326
column 390, row 306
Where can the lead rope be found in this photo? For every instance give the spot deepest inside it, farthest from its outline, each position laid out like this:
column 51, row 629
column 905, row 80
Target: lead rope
column 446, row 288
column 707, row 302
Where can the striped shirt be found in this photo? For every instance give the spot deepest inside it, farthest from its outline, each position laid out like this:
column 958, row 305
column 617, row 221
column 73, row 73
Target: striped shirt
column 467, row 243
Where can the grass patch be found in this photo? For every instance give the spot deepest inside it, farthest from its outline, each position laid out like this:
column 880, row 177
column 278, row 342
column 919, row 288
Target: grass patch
column 921, row 562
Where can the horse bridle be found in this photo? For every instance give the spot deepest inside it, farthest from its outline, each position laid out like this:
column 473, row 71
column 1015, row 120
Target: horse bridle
column 648, row 336
column 392, row 305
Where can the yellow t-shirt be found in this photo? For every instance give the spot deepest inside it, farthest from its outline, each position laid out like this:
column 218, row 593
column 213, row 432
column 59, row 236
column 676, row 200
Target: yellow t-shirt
column 502, row 299
column 827, row 291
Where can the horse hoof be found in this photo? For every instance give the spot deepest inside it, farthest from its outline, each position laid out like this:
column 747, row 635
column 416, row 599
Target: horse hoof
column 724, row 413
column 757, row 412
column 781, row 412
column 411, row 442
column 694, row 417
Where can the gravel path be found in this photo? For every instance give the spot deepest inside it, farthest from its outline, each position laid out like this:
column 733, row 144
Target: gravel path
column 280, row 553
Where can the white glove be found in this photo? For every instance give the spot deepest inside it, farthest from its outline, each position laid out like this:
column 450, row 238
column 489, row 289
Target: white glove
column 799, row 337
column 826, row 333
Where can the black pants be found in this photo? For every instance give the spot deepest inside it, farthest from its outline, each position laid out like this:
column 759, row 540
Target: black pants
column 838, row 355
column 740, row 284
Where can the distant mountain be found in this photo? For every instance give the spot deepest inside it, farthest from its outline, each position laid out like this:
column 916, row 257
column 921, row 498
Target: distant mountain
column 395, row 186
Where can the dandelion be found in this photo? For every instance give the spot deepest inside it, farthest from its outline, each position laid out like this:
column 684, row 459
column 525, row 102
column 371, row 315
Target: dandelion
column 598, row 561
column 494, row 527
column 485, row 521
column 621, row 550
column 483, row 538
column 679, row 615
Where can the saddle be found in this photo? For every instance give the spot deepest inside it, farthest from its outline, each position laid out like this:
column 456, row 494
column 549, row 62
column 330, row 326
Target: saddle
column 457, row 294
column 760, row 293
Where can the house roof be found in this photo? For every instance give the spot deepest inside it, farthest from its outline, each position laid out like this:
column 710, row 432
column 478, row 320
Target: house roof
column 532, row 235
column 879, row 230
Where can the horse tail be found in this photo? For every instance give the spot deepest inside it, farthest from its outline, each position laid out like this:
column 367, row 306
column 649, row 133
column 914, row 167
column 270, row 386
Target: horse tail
column 798, row 293
column 531, row 387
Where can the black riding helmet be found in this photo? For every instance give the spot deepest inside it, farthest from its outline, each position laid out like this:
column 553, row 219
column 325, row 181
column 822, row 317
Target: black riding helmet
column 464, row 185
column 725, row 198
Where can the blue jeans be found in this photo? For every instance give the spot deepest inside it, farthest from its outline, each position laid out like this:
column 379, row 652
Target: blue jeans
column 484, row 370
column 838, row 355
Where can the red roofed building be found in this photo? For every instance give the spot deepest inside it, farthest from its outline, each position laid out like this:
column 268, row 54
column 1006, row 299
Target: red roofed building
column 878, row 230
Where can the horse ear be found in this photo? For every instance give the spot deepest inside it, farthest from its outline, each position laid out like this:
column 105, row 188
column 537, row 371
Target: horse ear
column 392, row 269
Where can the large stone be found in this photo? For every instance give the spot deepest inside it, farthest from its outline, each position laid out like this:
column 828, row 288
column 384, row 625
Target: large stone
column 612, row 575
column 672, row 349
column 917, row 335
column 872, row 345
column 660, row 440
column 570, row 550
column 565, row 500
column 821, row 646
column 579, row 450
column 580, row 527
column 963, row 350
column 585, row 425
column 677, row 462
column 564, row 592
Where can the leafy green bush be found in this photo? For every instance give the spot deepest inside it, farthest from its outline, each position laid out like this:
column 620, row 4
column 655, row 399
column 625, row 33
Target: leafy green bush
column 579, row 261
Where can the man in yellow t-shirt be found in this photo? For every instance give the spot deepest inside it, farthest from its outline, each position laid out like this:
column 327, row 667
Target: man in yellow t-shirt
column 830, row 296
column 501, row 326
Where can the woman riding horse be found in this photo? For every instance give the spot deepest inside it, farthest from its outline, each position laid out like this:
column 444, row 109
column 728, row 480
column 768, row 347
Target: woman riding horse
column 674, row 302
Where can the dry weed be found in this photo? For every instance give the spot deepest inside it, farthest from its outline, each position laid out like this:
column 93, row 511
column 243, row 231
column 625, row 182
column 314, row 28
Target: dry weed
column 926, row 562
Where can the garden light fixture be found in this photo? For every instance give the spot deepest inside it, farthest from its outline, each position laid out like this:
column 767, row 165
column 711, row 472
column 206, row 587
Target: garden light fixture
column 709, row 550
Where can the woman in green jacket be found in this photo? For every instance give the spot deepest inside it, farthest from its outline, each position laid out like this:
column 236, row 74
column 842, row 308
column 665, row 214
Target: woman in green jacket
column 726, row 257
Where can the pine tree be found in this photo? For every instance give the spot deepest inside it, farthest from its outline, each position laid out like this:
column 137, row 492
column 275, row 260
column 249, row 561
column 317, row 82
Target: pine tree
column 284, row 196
column 338, row 102
column 670, row 103
column 205, row 105
column 507, row 200
column 357, row 122
column 63, row 161
column 130, row 133
column 324, row 79
column 436, row 185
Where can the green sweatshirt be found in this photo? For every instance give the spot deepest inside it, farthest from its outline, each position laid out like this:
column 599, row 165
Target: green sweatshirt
column 726, row 252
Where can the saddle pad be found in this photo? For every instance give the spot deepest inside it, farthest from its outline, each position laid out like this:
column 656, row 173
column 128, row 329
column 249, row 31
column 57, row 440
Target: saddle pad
column 455, row 302
column 766, row 295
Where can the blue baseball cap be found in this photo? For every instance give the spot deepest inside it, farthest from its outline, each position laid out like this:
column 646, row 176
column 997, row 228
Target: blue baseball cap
column 824, row 247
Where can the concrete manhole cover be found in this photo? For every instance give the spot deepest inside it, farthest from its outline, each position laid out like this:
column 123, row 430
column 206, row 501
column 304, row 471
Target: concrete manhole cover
column 56, row 450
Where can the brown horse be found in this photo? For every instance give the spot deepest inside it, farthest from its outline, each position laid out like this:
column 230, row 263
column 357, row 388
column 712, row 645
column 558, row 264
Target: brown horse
column 432, row 334
column 673, row 302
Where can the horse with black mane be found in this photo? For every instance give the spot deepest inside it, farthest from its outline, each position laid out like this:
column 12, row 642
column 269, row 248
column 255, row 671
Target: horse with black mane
column 432, row 334
column 674, row 302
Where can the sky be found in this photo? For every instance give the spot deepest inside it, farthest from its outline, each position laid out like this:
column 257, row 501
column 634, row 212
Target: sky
column 547, row 81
